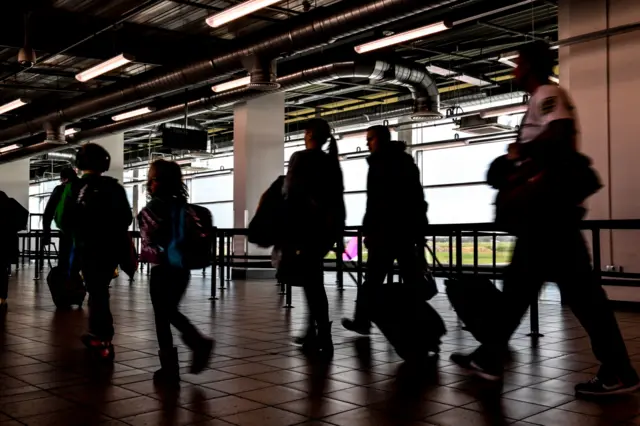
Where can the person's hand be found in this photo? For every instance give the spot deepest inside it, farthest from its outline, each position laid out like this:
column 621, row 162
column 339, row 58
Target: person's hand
column 513, row 151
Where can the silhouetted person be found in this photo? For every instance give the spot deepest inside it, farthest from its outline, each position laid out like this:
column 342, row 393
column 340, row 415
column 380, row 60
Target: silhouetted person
column 67, row 176
column 14, row 219
column 549, row 242
column 168, row 195
column 96, row 213
column 313, row 190
column 394, row 223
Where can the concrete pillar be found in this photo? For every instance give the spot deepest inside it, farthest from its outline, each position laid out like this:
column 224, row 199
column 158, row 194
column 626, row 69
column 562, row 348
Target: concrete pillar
column 405, row 131
column 603, row 80
column 258, row 153
column 114, row 145
column 14, row 181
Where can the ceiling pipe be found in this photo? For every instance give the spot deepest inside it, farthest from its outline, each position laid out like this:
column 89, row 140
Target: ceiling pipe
column 348, row 20
column 416, row 78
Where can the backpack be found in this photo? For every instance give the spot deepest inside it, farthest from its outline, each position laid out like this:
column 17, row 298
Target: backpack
column 266, row 227
column 192, row 237
column 19, row 216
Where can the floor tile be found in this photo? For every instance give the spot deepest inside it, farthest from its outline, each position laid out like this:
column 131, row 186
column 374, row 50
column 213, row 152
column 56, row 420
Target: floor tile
column 273, row 395
column 555, row 417
column 268, row 416
column 461, row 416
column 224, row 406
column 538, row 396
column 317, row 408
column 174, row 417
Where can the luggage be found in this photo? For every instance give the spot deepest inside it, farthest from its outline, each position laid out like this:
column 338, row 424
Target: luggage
column 478, row 304
column 65, row 291
column 129, row 259
column 410, row 324
column 191, row 245
column 266, row 226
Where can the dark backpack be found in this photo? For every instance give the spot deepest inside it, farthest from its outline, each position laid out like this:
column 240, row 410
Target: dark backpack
column 192, row 237
column 265, row 228
column 18, row 216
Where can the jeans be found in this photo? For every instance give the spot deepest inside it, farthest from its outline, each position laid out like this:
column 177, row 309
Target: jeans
column 97, row 272
column 167, row 286
column 380, row 263
column 559, row 254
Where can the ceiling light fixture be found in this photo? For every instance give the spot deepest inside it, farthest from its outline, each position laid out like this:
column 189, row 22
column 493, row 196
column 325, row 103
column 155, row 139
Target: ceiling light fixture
column 70, row 131
column 457, row 76
column 130, row 114
column 233, row 84
column 12, row 105
column 104, row 67
column 10, row 148
column 497, row 112
column 402, row 37
column 238, row 11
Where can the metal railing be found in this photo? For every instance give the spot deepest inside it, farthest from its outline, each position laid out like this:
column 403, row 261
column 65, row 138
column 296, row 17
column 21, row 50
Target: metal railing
column 448, row 241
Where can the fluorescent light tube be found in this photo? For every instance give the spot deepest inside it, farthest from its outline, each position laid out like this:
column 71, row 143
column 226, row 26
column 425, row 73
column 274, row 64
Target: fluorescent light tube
column 104, row 67
column 238, row 11
column 70, row 131
column 497, row 112
column 130, row 114
column 12, row 105
column 456, row 76
column 234, row 84
column 402, row 37
column 10, row 147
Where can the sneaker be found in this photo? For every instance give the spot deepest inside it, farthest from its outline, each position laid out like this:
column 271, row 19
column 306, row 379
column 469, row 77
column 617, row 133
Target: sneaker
column 356, row 327
column 608, row 384
column 475, row 367
column 103, row 349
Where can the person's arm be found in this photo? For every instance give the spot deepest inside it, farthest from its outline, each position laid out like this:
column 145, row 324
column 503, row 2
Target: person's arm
column 52, row 205
column 292, row 184
column 124, row 215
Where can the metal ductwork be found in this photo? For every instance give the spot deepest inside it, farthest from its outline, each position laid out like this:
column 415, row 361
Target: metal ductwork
column 416, row 78
column 347, row 20
column 54, row 134
column 262, row 73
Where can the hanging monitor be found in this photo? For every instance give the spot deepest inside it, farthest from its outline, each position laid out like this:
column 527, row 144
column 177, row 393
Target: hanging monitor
column 184, row 139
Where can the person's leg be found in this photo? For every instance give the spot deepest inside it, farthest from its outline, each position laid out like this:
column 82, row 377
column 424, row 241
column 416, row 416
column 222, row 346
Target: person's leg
column 98, row 274
column 379, row 264
column 311, row 275
column 97, row 277
column 4, row 284
column 589, row 302
column 160, row 290
column 522, row 283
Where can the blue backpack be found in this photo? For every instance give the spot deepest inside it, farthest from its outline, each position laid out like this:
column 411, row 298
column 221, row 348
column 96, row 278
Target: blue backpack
column 192, row 237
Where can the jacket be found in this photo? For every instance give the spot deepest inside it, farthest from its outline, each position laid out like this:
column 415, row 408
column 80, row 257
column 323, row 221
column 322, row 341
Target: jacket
column 155, row 229
column 396, row 206
column 314, row 201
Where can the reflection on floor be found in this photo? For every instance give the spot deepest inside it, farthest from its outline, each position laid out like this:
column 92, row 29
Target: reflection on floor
column 258, row 378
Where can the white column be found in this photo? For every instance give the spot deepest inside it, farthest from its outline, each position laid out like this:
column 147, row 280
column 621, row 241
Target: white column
column 114, row 145
column 258, row 156
column 602, row 77
column 14, row 181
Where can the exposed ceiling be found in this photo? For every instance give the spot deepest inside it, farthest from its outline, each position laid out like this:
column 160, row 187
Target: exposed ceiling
column 72, row 35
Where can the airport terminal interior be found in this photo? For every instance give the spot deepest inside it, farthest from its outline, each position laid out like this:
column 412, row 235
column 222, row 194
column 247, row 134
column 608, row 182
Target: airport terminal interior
column 225, row 89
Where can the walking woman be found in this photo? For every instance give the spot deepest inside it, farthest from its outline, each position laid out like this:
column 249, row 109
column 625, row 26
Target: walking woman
column 168, row 283
column 313, row 191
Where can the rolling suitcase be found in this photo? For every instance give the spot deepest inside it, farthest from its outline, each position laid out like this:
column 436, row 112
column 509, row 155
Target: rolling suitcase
column 476, row 300
column 410, row 324
column 66, row 290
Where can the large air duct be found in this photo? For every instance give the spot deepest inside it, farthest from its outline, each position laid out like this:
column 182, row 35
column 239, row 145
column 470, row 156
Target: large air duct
column 347, row 20
column 416, row 78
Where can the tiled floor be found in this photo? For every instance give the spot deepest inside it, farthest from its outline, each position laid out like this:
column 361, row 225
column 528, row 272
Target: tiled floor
column 257, row 378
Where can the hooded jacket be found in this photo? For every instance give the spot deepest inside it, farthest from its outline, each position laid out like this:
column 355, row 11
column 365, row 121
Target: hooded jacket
column 396, row 207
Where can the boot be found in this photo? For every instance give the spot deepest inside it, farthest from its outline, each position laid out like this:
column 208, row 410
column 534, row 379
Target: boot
column 201, row 354
column 324, row 343
column 169, row 373
column 307, row 343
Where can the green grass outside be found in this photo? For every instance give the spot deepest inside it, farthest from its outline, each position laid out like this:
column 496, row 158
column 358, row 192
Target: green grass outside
column 485, row 253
